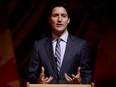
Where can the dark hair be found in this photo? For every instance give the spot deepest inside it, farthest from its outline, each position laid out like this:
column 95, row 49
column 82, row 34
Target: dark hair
column 59, row 4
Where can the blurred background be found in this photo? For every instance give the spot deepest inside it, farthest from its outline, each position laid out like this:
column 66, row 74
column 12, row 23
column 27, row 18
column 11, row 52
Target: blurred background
column 23, row 21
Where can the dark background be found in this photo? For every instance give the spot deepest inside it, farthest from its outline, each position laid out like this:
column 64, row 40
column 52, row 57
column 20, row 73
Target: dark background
column 92, row 20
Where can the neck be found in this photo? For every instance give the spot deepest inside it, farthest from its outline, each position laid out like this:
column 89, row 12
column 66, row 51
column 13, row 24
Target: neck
column 58, row 34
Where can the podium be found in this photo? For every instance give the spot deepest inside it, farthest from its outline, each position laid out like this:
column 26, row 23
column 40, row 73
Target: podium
column 60, row 85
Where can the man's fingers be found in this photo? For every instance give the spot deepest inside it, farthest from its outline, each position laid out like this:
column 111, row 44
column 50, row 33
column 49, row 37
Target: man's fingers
column 75, row 79
column 68, row 78
column 74, row 76
column 42, row 78
column 46, row 79
column 49, row 79
column 78, row 71
column 42, row 75
column 42, row 70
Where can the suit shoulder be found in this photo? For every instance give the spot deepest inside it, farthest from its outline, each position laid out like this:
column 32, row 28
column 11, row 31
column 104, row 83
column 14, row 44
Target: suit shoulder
column 42, row 40
column 77, row 39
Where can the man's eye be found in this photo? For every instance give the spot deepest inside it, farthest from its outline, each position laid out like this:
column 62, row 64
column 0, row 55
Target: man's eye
column 54, row 15
column 64, row 15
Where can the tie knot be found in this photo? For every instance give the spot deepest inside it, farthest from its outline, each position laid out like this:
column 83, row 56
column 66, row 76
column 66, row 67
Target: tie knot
column 58, row 40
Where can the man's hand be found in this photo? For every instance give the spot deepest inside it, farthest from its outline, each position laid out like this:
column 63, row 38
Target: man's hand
column 75, row 79
column 42, row 79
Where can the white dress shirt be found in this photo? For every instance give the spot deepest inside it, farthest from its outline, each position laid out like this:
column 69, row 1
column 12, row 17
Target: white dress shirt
column 62, row 44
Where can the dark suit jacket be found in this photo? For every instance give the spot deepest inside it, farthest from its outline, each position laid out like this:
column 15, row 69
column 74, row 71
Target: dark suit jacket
column 76, row 54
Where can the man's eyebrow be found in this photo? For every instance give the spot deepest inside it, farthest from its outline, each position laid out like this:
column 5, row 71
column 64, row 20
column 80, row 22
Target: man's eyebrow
column 60, row 13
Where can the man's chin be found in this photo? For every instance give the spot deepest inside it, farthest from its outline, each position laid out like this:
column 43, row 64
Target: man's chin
column 61, row 31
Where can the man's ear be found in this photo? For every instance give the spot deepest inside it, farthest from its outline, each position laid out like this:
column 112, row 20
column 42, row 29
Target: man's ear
column 68, row 20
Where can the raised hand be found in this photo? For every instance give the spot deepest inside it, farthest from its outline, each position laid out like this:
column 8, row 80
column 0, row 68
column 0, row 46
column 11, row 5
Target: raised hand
column 42, row 79
column 75, row 79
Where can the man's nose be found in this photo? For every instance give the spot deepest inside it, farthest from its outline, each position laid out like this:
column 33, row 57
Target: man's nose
column 59, row 18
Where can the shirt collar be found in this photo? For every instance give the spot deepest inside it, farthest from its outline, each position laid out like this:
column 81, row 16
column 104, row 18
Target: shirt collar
column 64, row 36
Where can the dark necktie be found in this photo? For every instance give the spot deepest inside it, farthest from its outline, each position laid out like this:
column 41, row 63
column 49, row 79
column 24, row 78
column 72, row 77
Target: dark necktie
column 58, row 54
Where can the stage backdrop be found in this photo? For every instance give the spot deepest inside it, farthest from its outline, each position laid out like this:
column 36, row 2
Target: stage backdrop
column 23, row 21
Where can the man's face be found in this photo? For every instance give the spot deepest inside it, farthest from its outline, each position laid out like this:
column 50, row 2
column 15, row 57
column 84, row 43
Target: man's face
column 59, row 19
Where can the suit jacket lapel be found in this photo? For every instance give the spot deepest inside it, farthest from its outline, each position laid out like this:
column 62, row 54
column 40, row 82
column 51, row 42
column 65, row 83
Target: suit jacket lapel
column 67, row 54
column 49, row 51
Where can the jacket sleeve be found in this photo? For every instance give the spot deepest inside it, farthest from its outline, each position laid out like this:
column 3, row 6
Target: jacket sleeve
column 34, row 64
column 86, row 71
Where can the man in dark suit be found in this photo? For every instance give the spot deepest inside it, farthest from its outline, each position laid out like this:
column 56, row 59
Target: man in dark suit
column 62, row 63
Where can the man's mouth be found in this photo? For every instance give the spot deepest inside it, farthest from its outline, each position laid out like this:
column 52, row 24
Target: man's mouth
column 59, row 25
